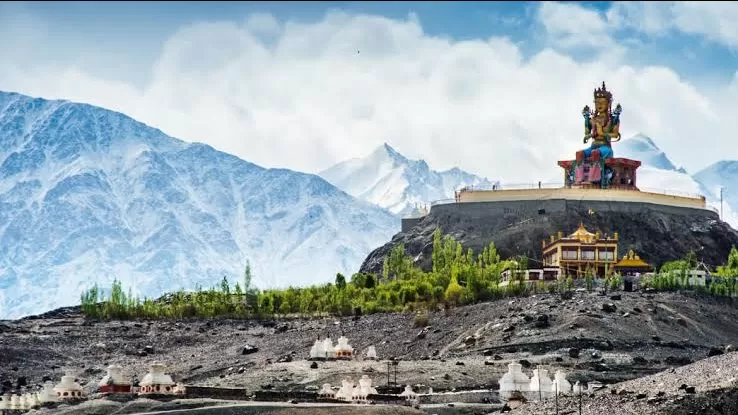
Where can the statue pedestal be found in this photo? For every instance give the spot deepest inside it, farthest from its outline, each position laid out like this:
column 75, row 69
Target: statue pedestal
column 618, row 173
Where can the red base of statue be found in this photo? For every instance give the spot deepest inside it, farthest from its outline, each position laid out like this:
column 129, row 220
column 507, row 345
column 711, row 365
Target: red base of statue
column 589, row 172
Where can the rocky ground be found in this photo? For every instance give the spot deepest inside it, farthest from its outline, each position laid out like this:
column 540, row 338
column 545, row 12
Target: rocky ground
column 707, row 387
column 591, row 337
column 144, row 406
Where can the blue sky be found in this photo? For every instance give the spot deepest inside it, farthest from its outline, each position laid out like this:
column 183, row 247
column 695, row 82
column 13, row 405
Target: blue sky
column 437, row 80
column 137, row 30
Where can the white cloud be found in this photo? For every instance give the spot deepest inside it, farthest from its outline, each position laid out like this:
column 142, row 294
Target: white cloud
column 571, row 25
column 317, row 93
column 711, row 19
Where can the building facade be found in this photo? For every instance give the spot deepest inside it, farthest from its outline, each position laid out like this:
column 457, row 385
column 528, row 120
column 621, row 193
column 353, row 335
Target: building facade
column 581, row 252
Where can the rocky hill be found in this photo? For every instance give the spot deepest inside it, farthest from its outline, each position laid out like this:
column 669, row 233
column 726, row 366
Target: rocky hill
column 657, row 233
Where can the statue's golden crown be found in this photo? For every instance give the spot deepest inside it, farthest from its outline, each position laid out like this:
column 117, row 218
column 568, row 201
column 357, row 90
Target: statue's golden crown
column 602, row 92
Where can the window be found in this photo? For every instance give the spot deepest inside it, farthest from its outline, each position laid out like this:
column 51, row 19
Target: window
column 607, row 255
column 588, row 255
column 569, row 254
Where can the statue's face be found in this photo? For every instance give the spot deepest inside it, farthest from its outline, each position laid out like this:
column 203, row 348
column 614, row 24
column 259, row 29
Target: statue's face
column 601, row 104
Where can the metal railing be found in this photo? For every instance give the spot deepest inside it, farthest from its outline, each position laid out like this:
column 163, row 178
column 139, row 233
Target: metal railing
column 559, row 185
column 513, row 186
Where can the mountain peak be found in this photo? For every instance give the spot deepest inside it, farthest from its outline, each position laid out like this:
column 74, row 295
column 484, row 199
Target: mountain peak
column 642, row 147
column 387, row 150
column 645, row 140
column 392, row 181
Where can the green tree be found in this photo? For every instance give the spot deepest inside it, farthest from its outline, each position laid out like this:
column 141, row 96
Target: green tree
column 454, row 292
column 730, row 269
column 589, row 279
column 370, row 281
column 340, row 281
column 247, row 277
column 691, row 260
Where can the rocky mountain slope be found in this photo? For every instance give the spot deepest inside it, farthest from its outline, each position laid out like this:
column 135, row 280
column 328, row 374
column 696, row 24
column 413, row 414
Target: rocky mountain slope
column 392, row 181
column 462, row 348
column 657, row 235
column 88, row 195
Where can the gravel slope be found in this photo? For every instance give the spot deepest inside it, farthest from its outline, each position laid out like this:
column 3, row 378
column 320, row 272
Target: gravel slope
column 464, row 348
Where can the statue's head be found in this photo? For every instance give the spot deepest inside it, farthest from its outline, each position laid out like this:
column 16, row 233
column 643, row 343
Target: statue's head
column 602, row 99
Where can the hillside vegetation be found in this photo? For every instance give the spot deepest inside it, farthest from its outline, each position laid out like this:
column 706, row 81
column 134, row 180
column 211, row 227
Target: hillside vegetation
column 457, row 278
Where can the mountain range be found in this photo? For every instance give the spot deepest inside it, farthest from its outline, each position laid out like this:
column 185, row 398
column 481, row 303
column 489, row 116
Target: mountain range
column 388, row 179
column 88, row 195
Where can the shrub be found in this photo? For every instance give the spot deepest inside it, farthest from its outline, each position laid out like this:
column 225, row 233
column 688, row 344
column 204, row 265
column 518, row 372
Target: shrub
column 421, row 319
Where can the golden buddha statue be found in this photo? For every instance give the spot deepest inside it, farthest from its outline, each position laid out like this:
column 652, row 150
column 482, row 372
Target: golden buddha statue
column 601, row 125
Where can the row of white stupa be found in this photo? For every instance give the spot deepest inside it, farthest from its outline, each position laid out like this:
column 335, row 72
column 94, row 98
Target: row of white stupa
column 352, row 393
column 324, row 349
column 516, row 381
column 154, row 382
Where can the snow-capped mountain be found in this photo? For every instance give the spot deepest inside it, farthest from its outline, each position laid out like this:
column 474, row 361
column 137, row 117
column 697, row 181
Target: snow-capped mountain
column 388, row 179
column 721, row 174
column 641, row 147
column 658, row 173
column 88, row 195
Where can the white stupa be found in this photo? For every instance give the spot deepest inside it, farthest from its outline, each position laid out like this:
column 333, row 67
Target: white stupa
column 24, row 404
column 343, row 349
column 47, row 394
column 326, row 391
column 4, row 401
column 541, row 380
column 560, row 382
column 513, row 380
column 347, row 390
column 365, row 388
column 114, row 381
column 36, row 401
column 68, row 388
column 409, row 393
column 29, row 400
column 328, row 348
column 371, row 353
column 15, row 402
column 156, row 381
column 317, row 351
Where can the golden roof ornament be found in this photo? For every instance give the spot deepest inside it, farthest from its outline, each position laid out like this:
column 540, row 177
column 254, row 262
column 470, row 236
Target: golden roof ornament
column 582, row 234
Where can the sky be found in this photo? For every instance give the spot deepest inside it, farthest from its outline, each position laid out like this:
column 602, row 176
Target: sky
column 494, row 88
